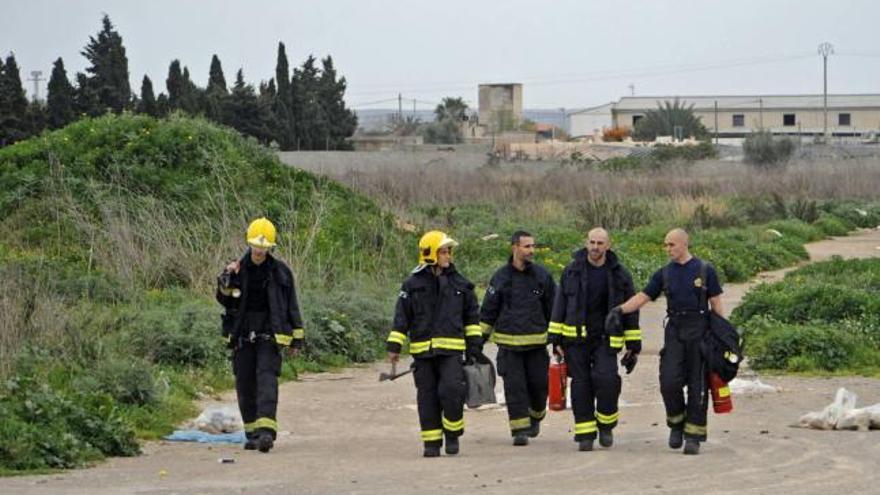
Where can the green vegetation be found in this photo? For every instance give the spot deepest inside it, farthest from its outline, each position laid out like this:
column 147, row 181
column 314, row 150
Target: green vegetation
column 824, row 317
column 670, row 119
column 763, row 150
column 112, row 231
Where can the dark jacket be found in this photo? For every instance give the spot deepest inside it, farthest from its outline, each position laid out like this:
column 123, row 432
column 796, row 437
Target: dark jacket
column 517, row 306
column 436, row 314
column 285, row 321
column 568, row 320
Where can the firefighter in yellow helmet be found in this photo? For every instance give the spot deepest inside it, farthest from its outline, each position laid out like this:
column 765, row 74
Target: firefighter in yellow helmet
column 262, row 317
column 437, row 313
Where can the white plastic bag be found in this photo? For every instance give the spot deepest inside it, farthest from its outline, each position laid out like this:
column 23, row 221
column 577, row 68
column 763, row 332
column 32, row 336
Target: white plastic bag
column 844, row 401
column 742, row 386
column 219, row 419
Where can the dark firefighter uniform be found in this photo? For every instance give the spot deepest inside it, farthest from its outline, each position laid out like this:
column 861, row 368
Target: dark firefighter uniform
column 439, row 316
column 515, row 315
column 688, row 287
column 262, row 317
column 586, row 294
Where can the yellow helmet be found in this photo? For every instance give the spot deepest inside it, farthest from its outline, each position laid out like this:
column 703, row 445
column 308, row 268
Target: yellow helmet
column 261, row 233
column 432, row 242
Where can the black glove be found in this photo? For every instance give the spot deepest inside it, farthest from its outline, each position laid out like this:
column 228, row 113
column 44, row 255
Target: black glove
column 473, row 351
column 613, row 323
column 629, row 361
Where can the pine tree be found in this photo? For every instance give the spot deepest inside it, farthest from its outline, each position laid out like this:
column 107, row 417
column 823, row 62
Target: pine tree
column 36, row 117
column 13, row 104
column 108, row 78
column 60, row 97
column 148, row 104
column 341, row 122
column 310, row 121
column 244, row 112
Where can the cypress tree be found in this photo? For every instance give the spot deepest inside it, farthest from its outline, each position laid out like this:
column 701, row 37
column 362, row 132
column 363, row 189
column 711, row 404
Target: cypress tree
column 308, row 116
column 60, row 97
column 175, row 85
column 13, row 104
column 108, row 78
column 216, row 80
column 148, row 104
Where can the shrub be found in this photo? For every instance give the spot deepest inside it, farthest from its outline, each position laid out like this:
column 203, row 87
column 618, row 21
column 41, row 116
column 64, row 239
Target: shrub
column 777, row 345
column 763, row 150
column 615, row 134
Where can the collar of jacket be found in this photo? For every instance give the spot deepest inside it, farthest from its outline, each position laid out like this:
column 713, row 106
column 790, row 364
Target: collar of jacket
column 448, row 271
column 526, row 269
column 580, row 258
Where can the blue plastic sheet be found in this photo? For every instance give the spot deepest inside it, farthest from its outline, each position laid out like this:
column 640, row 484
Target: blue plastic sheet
column 202, row 437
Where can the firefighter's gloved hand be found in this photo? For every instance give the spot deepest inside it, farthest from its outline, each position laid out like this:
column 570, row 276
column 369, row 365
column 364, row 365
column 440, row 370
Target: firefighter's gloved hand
column 613, row 322
column 629, row 361
column 473, row 351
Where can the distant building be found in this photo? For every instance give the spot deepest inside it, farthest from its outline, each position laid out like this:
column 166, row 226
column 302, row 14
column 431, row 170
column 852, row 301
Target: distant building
column 738, row 116
column 500, row 106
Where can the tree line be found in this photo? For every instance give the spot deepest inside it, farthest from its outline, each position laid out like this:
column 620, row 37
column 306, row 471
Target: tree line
column 299, row 110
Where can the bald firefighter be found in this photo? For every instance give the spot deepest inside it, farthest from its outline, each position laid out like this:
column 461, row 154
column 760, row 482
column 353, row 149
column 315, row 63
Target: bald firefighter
column 262, row 318
column 591, row 285
column 437, row 313
column 692, row 288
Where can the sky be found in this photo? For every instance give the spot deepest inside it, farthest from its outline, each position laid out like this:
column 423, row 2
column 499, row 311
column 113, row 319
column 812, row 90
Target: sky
column 567, row 54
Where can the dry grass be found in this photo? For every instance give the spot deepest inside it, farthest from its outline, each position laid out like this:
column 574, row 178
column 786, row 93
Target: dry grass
column 401, row 188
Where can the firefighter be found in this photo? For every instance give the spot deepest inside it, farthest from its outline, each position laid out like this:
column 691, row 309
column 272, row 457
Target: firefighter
column 688, row 283
column 437, row 312
column 514, row 315
column 262, row 317
column 591, row 285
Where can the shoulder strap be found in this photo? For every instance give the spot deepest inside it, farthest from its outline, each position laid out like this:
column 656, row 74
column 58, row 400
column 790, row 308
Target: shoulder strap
column 704, row 289
column 665, row 287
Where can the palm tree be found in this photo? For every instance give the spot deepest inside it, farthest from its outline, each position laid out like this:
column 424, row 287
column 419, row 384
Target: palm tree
column 664, row 120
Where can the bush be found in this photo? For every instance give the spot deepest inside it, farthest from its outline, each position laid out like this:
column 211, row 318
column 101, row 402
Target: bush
column 763, row 150
column 777, row 345
column 615, row 134
column 43, row 428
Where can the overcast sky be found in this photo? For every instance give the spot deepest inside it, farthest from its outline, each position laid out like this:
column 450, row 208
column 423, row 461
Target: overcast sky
column 570, row 54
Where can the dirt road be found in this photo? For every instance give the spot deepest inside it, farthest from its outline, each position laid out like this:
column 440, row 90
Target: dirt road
column 350, row 434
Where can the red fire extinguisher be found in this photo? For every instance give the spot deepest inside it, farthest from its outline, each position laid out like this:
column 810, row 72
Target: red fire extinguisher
column 558, row 379
column 721, row 400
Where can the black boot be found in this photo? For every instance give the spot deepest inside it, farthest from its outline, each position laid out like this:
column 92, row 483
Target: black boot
column 250, row 444
column 585, row 445
column 265, row 443
column 606, row 438
column 432, row 450
column 676, row 437
column 451, row 445
column 535, row 430
column 521, row 439
column 691, row 446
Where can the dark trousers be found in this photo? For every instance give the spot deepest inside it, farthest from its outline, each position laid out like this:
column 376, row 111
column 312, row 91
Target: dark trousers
column 595, row 387
column 440, row 391
column 682, row 365
column 257, row 366
column 525, row 385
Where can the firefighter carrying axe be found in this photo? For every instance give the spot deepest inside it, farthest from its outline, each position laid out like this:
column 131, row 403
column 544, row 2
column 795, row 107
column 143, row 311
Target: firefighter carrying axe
column 394, row 375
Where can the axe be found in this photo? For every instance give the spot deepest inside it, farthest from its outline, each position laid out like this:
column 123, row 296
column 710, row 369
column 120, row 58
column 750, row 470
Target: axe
column 394, row 375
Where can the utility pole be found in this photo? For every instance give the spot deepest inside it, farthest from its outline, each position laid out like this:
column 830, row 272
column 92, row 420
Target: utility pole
column 399, row 107
column 716, row 122
column 35, row 77
column 761, row 113
column 825, row 49
column 632, row 89
column 414, row 109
